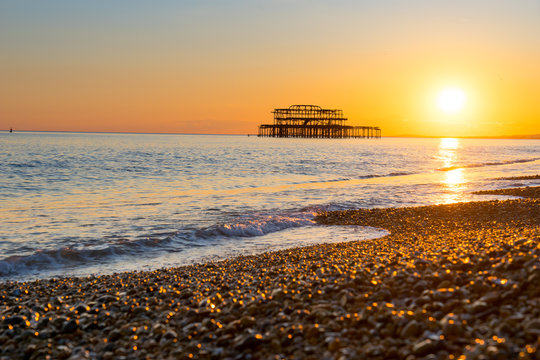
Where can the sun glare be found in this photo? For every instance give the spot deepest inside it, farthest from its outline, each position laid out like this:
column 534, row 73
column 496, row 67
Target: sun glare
column 451, row 100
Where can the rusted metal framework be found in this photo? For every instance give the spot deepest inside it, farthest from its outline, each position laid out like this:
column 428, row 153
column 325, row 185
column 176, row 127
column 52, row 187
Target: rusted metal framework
column 311, row 121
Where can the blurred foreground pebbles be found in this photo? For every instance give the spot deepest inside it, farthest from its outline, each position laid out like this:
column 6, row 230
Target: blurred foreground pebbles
column 458, row 281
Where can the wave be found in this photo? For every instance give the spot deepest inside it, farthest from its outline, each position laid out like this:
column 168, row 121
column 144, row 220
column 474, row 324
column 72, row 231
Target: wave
column 265, row 224
column 368, row 176
column 398, row 174
column 494, row 163
column 66, row 257
column 392, row 174
column 251, row 225
column 61, row 164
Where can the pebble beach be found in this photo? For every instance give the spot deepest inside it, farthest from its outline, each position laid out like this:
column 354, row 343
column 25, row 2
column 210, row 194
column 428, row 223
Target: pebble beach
column 456, row 281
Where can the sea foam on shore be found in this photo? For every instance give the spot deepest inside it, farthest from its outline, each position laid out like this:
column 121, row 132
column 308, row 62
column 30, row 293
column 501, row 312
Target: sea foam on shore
column 449, row 281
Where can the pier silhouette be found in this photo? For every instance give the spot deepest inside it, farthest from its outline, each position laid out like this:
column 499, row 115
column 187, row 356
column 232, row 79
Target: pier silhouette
column 312, row 121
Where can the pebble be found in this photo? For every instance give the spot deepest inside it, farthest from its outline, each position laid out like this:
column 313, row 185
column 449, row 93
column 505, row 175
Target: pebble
column 424, row 347
column 411, row 329
column 70, row 326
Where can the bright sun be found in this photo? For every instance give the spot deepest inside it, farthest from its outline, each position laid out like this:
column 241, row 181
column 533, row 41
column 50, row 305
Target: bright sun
column 451, row 100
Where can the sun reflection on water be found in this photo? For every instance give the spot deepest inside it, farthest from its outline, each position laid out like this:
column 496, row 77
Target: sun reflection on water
column 448, row 152
column 449, row 143
column 454, row 178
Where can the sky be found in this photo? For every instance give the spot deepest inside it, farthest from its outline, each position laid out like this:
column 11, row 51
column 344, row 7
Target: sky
column 223, row 66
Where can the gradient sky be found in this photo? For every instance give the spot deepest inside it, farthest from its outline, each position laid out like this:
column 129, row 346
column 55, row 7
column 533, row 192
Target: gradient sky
column 223, row 66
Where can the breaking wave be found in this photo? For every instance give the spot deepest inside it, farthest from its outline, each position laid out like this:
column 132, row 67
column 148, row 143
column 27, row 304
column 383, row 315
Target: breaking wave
column 252, row 225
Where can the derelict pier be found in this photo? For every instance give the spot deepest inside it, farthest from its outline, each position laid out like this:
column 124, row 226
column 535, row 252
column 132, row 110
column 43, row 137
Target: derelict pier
column 311, row 121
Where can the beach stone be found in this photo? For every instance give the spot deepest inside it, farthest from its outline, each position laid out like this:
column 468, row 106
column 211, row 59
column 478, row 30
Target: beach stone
column 422, row 300
column 247, row 321
column 411, row 329
column 421, row 263
column 106, row 299
column 419, row 285
column 425, row 347
column 81, row 308
column 249, row 342
column 479, row 306
column 41, row 354
column 382, row 295
column 520, row 242
column 493, row 352
column 277, row 294
column 170, row 334
column 139, row 310
column 374, row 350
column 217, row 352
column 312, row 334
column 42, row 323
column 533, row 324
column 491, row 298
column 445, row 284
column 25, row 335
column 110, row 347
column 334, row 345
column 63, row 352
column 70, row 326
column 451, row 326
column 108, row 355
column 28, row 351
column 114, row 335
column 13, row 320
column 534, row 277
column 80, row 353
column 45, row 334
column 443, row 294
column 159, row 329
column 451, row 306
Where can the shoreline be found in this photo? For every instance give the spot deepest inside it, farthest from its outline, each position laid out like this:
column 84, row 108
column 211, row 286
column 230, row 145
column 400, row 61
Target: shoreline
column 450, row 280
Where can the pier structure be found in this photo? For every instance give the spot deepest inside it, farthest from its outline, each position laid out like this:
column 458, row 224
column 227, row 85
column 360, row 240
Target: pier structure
column 312, row 121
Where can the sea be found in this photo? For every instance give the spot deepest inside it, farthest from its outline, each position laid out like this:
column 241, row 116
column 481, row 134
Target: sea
column 78, row 204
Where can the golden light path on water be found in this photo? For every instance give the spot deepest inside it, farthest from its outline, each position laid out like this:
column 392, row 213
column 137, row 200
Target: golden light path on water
column 453, row 180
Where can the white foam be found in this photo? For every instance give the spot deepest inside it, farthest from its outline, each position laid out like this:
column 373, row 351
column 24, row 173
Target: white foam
column 265, row 224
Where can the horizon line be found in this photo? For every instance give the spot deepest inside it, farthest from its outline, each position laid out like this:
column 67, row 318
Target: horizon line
column 521, row 137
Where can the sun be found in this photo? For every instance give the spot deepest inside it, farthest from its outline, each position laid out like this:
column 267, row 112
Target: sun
column 451, row 100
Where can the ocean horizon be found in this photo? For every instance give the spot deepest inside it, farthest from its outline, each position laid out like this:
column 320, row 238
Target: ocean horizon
column 498, row 137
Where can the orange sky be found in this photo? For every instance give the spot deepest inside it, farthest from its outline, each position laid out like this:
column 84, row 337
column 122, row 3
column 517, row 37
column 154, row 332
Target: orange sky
column 222, row 67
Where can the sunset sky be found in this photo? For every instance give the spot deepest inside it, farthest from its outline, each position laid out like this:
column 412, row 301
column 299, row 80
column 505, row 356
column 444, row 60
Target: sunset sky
column 223, row 66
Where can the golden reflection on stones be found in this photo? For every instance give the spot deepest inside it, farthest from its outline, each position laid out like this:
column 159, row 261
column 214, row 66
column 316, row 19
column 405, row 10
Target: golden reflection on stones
column 455, row 281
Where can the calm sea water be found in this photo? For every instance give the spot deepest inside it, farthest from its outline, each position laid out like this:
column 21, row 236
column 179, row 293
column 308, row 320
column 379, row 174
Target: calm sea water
column 76, row 204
